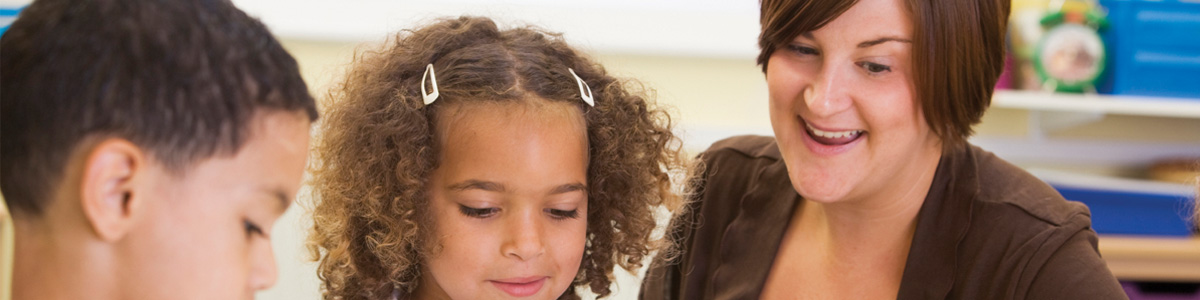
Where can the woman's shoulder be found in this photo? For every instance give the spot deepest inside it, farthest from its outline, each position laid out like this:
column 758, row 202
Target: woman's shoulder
column 1028, row 199
column 746, row 147
column 735, row 165
column 1021, row 237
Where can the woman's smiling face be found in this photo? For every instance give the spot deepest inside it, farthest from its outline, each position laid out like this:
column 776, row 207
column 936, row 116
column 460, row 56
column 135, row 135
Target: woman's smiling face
column 509, row 199
column 842, row 105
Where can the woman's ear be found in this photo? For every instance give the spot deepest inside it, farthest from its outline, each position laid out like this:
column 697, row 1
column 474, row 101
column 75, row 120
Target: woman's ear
column 107, row 186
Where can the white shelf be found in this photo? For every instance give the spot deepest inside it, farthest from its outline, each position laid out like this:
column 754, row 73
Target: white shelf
column 1103, row 104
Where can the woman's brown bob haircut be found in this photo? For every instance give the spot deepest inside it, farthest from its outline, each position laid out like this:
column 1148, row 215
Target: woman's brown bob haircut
column 958, row 52
column 376, row 149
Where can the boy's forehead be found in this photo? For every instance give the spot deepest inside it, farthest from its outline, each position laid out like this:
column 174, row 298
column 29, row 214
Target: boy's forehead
column 270, row 163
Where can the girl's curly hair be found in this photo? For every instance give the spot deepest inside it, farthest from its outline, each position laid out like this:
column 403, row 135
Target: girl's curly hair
column 376, row 150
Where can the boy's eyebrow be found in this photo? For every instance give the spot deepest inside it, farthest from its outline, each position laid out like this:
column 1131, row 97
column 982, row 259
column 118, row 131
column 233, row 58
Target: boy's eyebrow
column 567, row 188
column 284, row 200
column 477, row 184
column 882, row 40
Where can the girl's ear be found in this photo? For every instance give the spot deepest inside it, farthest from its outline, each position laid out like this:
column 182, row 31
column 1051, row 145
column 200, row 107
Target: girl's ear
column 107, row 187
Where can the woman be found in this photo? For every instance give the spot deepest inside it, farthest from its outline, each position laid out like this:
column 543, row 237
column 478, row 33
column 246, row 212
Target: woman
column 869, row 189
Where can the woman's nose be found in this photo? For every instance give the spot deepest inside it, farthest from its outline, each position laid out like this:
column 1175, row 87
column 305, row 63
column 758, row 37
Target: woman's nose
column 829, row 93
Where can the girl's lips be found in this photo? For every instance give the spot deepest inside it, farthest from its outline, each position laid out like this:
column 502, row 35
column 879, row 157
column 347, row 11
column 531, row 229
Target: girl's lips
column 520, row 287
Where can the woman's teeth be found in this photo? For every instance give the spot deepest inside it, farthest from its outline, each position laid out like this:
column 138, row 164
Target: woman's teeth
column 832, row 134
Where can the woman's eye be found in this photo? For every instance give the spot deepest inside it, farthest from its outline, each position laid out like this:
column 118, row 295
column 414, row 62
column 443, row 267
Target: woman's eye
column 251, row 228
column 480, row 213
column 875, row 68
column 802, row 50
column 563, row 214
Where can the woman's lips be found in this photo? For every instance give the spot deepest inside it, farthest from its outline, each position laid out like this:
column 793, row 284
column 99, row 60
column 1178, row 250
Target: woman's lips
column 829, row 142
column 520, row 287
column 832, row 138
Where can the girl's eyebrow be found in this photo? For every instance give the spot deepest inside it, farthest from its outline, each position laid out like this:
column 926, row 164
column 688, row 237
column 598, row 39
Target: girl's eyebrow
column 474, row 184
column 478, row 185
column 567, row 188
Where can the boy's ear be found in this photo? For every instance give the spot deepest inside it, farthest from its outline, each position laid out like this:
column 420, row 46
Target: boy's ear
column 107, row 187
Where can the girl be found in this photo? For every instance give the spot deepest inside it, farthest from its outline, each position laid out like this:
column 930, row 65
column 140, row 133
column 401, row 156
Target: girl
column 467, row 162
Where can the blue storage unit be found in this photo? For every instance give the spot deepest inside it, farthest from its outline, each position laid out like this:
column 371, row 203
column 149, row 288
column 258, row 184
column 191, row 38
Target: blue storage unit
column 1122, row 212
column 1128, row 206
column 1153, row 48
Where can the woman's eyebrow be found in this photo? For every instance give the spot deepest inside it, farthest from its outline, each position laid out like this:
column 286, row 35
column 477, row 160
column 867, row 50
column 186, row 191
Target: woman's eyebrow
column 882, row 40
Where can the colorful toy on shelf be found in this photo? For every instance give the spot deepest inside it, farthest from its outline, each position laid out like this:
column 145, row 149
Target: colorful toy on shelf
column 1070, row 55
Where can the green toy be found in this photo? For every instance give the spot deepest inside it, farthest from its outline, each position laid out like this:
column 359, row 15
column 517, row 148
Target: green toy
column 1070, row 55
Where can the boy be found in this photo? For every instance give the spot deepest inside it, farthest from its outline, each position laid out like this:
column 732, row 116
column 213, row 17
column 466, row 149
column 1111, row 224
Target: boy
column 148, row 146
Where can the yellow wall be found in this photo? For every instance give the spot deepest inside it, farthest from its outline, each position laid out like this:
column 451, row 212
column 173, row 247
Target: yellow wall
column 712, row 98
column 6, row 252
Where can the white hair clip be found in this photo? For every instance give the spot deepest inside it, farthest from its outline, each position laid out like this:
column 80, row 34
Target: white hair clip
column 429, row 97
column 585, row 91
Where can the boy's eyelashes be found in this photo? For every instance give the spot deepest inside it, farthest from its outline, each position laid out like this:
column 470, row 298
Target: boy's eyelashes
column 483, row 213
column 252, row 229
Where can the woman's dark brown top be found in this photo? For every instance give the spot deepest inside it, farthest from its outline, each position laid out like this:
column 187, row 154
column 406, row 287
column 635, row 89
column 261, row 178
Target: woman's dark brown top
column 987, row 230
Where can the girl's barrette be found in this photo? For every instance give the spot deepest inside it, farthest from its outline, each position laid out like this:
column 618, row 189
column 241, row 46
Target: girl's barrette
column 585, row 91
column 429, row 97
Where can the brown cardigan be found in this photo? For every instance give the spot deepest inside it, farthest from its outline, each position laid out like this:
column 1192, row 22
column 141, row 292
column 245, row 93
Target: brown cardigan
column 987, row 230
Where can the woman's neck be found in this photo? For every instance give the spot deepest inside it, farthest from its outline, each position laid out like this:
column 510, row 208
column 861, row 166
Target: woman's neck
column 879, row 224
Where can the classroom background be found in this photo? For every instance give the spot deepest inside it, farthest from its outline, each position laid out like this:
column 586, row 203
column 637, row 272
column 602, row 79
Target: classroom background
column 1110, row 117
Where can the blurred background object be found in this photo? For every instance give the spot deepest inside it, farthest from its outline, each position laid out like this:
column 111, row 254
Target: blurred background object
column 8, row 13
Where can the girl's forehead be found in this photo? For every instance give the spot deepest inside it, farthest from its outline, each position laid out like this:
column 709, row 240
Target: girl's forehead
column 535, row 112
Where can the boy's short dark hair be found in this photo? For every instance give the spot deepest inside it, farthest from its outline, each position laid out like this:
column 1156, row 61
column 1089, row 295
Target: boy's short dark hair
column 180, row 78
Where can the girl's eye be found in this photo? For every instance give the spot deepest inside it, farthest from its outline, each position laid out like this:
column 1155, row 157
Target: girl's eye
column 802, row 50
column 251, row 228
column 559, row 214
column 480, row 213
column 874, row 68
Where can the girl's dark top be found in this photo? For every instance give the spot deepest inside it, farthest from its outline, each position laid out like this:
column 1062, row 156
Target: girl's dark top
column 987, row 230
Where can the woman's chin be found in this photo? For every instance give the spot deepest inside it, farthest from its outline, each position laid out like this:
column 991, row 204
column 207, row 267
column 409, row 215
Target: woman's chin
column 820, row 190
column 823, row 198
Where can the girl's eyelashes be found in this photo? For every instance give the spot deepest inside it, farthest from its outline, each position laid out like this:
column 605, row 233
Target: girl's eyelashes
column 874, row 68
column 480, row 213
column 251, row 228
column 563, row 214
